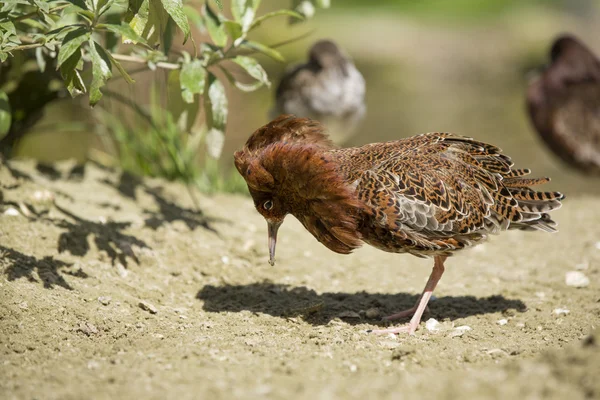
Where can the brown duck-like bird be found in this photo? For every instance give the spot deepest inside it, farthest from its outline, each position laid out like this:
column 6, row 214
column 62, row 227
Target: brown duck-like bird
column 429, row 195
column 564, row 104
column 327, row 88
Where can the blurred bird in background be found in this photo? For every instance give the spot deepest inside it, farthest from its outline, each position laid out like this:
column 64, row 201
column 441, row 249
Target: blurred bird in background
column 327, row 88
column 428, row 195
column 564, row 104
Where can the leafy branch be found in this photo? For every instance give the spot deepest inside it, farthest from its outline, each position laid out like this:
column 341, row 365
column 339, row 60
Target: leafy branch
column 99, row 35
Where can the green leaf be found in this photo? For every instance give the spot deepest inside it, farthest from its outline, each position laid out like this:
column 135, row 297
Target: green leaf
column 72, row 41
column 243, row 12
column 214, row 26
column 323, row 3
column 244, row 87
column 184, row 113
column 125, row 31
column 5, row 114
column 79, row 3
column 8, row 27
column 268, row 51
column 175, row 10
column 253, row 68
column 70, row 75
column 234, row 29
column 39, row 58
column 101, row 70
column 134, row 6
column 195, row 16
column 43, row 6
column 102, row 6
column 219, row 4
column 192, row 79
column 290, row 13
column 216, row 116
column 120, row 68
column 150, row 21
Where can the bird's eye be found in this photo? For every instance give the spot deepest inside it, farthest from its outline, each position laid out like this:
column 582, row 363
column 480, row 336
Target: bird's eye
column 268, row 205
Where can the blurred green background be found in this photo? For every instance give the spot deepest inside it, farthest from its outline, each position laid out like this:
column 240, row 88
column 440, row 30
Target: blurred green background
column 432, row 65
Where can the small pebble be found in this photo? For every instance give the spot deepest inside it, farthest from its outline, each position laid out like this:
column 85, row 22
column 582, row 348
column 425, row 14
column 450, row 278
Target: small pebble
column 561, row 311
column 105, row 300
column 372, row 313
column 93, row 364
column 348, row 314
column 502, row 321
column 144, row 305
column 432, row 325
column 11, row 212
column 42, row 196
column 576, row 279
column 87, row 328
column 225, row 260
column 459, row 331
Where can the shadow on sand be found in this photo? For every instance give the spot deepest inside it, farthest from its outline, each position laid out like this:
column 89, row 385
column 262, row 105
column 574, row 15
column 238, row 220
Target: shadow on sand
column 48, row 269
column 167, row 211
column 283, row 300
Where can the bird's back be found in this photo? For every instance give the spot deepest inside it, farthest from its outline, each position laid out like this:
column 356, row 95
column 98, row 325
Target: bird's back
column 438, row 192
column 564, row 104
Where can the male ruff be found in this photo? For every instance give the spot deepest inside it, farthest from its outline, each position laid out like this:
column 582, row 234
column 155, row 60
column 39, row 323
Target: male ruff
column 429, row 195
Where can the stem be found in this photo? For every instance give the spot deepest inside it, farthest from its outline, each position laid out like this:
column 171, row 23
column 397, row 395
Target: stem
column 129, row 58
column 193, row 197
column 34, row 13
column 24, row 47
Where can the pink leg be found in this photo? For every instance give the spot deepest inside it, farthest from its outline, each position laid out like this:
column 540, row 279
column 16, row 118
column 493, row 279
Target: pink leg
column 405, row 313
column 436, row 274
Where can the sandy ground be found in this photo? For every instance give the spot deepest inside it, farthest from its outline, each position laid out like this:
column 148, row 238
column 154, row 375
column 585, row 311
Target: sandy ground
column 117, row 289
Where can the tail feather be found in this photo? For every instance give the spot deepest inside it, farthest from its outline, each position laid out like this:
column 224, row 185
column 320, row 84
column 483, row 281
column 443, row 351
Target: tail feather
column 532, row 206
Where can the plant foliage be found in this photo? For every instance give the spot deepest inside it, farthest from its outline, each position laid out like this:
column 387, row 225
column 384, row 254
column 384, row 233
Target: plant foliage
column 88, row 41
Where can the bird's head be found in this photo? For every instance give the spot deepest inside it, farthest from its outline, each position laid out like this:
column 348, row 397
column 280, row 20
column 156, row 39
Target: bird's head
column 287, row 171
column 326, row 54
column 571, row 62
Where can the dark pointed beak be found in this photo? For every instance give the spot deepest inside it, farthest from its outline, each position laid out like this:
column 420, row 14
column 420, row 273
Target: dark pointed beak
column 273, row 227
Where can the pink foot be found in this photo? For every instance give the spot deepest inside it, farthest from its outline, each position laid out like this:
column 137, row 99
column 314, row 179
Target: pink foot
column 410, row 329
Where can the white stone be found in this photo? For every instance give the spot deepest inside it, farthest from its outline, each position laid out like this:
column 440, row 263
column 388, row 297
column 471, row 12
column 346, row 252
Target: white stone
column 561, row 311
column 432, row 325
column 502, row 321
column 459, row 331
column 11, row 212
column 576, row 279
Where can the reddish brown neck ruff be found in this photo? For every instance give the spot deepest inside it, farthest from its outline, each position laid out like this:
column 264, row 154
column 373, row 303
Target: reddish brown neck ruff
column 289, row 171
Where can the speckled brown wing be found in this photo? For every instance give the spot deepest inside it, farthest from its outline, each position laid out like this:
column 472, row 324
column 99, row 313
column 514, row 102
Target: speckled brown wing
column 436, row 193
